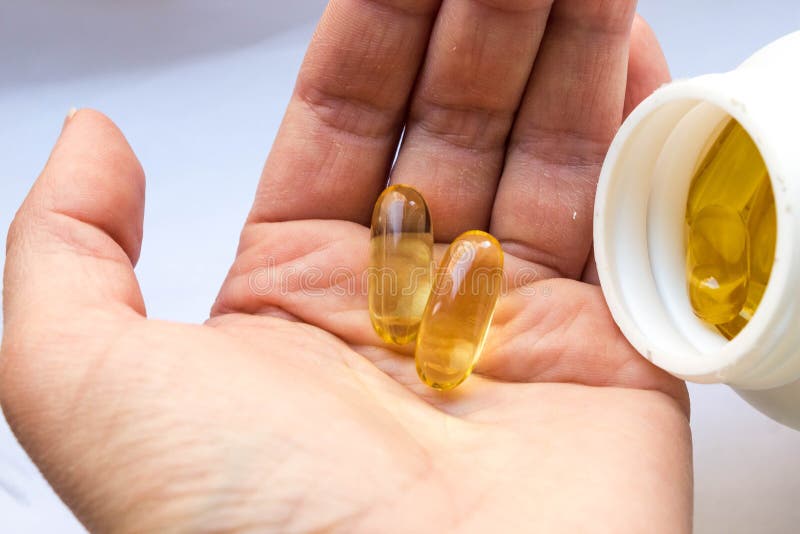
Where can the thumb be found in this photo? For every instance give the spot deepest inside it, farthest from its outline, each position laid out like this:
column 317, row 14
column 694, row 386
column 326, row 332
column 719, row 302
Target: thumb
column 69, row 282
column 76, row 237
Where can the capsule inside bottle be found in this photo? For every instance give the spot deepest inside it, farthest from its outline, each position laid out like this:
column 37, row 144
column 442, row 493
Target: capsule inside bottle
column 719, row 262
column 459, row 312
column 731, row 232
column 401, row 263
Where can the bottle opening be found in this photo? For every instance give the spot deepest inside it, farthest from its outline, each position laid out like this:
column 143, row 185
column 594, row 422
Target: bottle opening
column 687, row 236
column 711, row 225
column 730, row 231
column 703, row 175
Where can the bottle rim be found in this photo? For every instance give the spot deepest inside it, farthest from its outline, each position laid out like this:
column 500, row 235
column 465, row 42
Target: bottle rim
column 757, row 356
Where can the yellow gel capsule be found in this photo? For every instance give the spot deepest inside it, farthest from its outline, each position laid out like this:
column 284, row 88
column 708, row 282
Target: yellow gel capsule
column 718, row 264
column 730, row 173
column 730, row 209
column 401, row 263
column 459, row 311
column 762, row 226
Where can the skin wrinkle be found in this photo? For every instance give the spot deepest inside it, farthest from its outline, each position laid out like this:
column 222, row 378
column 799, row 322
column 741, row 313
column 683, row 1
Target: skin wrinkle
column 481, row 138
column 168, row 486
column 77, row 240
column 545, row 262
column 466, row 190
column 229, row 503
column 474, row 413
column 477, row 43
column 117, row 418
column 541, row 254
column 326, row 175
column 120, row 308
column 290, row 308
column 291, row 508
column 405, row 7
column 155, row 489
column 559, row 149
column 316, row 181
column 100, row 364
column 515, row 7
column 328, row 242
column 542, row 338
column 606, row 62
column 353, row 117
column 371, row 47
column 246, row 268
column 13, row 353
column 422, row 474
column 425, row 473
column 315, row 334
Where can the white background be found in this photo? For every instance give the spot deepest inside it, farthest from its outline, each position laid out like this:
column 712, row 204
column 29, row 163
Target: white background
column 199, row 87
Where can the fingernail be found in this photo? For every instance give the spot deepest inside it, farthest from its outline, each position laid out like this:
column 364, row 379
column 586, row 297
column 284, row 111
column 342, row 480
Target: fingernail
column 71, row 113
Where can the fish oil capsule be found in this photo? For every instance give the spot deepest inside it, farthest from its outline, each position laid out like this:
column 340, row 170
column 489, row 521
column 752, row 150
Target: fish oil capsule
column 730, row 173
column 732, row 230
column 401, row 263
column 459, row 311
column 718, row 258
column 762, row 227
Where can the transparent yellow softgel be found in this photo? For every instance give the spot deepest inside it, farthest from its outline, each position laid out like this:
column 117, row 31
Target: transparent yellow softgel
column 401, row 263
column 456, row 321
column 730, row 214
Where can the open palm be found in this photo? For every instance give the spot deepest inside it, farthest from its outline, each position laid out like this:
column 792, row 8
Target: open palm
column 285, row 411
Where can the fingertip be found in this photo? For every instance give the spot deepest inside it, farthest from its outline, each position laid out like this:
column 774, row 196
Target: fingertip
column 644, row 39
column 93, row 175
column 647, row 65
column 71, row 113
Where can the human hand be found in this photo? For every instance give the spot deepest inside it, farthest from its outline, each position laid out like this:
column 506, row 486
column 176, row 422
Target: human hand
column 284, row 411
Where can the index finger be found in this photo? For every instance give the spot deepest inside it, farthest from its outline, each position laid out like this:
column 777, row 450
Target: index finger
column 335, row 145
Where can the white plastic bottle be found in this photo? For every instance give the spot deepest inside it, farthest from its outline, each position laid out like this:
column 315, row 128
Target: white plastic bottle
column 639, row 228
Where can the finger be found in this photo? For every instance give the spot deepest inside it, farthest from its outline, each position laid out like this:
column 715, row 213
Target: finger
column 570, row 112
column 647, row 71
column 333, row 151
column 647, row 66
column 477, row 65
column 69, row 284
column 72, row 246
column 69, row 288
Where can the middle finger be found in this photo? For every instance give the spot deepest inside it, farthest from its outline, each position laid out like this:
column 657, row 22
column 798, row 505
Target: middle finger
column 477, row 65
